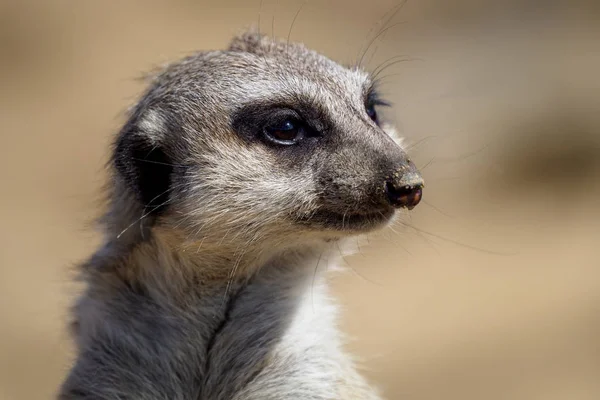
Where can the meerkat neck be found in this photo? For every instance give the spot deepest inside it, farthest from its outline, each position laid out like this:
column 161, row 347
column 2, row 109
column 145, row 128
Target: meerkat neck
column 168, row 265
column 220, row 336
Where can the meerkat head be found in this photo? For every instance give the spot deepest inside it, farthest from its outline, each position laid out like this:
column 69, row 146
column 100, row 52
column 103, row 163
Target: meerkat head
column 264, row 141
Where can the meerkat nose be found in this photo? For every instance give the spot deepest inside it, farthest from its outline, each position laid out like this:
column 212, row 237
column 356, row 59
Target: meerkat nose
column 404, row 191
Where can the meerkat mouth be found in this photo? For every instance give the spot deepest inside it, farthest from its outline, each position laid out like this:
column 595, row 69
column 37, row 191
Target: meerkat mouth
column 349, row 221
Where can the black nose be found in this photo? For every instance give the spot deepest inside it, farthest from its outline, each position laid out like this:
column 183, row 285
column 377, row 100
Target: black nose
column 404, row 193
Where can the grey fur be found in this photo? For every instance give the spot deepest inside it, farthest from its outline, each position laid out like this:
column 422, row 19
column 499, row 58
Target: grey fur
column 209, row 284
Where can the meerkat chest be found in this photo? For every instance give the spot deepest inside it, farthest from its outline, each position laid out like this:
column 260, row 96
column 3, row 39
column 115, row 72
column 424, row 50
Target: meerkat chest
column 307, row 361
column 304, row 359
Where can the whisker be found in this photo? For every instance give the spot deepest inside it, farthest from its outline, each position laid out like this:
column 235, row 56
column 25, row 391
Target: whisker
column 372, row 55
column 402, row 57
column 383, row 21
column 151, row 211
column 380, row 79
column 381, row 32
column 364, row 277
column 378, row 23
column 448, row 178
column 312, row 288
column 259, row 15
column 427, row 164
column 437, row 209
column 141, row 220
column 337, row 243
column 273, row 23
column 389, row 64
column 458, row 243
column 287, row 43
column 463, row 157
column 357, row 239
column 344, row 217
column 351, row 267
column 427, row 241
column 419, row 142
column 158, row 162
column 142, row 217
column 391, row 227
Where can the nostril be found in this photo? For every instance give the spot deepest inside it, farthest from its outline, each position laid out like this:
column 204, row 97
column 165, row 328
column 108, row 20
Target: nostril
column 407, row 196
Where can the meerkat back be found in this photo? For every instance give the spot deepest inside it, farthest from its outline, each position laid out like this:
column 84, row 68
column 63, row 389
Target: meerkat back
column 236, row 174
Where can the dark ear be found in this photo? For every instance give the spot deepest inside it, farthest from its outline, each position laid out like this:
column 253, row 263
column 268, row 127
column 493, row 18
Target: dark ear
column 142, row 163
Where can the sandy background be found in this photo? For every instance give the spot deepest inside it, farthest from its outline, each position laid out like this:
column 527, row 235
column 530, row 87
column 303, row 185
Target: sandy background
column 492, row 289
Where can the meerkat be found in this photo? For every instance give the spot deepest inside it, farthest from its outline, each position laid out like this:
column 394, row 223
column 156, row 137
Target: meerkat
column 235, row 175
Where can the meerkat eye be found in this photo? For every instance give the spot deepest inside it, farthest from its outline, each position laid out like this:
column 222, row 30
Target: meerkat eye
column 372, row 113
column 287, row 132
column 371, row 102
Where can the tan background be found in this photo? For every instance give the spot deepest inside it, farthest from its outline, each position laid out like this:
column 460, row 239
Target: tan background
column 492, row 291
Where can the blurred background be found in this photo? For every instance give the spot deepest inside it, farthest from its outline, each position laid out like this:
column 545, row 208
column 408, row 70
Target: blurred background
column 490, row 289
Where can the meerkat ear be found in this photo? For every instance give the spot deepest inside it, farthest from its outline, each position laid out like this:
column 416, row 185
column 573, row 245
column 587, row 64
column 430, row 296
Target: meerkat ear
column 142, row 162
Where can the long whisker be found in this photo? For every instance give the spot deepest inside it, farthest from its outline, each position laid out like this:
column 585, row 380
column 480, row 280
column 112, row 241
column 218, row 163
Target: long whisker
column 428, row 242
column 312, row 288
column 357, row 239
column 398, row 243
column 463, row 157
column 142, row 217
column 259, row 16
column 151, row 211
column 389, row 63
column 292, row 25
column 419, row 142
column 379, row 22
column 158, row 162
column 381, row 32
column 273, row 23
column 352, row 268
column 437, row 209
column 372, row 55
column 383, row 21
column 427, row 164
column 458, row 243
column 364, row 277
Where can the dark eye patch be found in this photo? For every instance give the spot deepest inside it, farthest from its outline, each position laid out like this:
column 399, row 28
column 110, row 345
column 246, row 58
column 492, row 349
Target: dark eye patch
column 262, row 120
